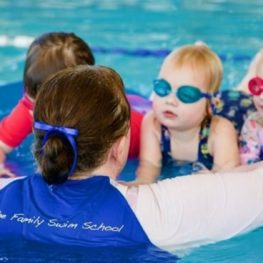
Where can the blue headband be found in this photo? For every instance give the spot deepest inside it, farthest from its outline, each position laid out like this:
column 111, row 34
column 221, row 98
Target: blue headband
column 69, row 133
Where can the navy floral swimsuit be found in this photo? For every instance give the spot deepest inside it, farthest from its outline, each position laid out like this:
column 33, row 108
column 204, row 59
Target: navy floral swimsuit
column 203, row 154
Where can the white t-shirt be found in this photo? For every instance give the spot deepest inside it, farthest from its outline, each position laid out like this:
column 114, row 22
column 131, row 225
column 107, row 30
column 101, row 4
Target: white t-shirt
column 199, row 209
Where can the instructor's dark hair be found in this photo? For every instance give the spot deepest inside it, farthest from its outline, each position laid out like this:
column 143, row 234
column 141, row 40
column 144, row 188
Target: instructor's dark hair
column 90, row 99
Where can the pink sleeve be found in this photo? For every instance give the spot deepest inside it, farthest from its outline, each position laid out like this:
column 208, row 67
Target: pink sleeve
column 250, row 142
column 18, row 124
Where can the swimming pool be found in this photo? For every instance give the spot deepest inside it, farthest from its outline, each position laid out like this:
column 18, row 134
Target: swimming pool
column 131, row 36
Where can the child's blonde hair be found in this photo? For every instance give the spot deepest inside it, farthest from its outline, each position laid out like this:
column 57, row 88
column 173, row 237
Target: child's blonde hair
column 258, row 65
column 201, row 59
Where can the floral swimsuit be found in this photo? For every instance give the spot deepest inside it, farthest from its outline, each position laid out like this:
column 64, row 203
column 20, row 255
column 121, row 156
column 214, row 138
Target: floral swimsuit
column 203, row 154
column 251, row 139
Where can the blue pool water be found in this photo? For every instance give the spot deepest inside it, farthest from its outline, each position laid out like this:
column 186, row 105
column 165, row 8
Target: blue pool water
column 131, row 36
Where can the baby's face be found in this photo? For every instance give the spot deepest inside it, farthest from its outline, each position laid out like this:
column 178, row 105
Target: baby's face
column 170, row 110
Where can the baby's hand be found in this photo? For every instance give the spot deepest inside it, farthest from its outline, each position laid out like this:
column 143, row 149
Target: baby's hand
column 129, row 184
column 199, row 168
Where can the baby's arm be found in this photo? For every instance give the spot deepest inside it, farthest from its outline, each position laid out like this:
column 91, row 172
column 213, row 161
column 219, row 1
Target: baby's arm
column 245, row 168
column 249, row 142
column 4, row 172
column 224, row 144
column 200, row 209
column 150, row 152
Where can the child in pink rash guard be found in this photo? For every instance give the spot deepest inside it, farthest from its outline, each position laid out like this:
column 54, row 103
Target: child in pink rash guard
column 251, row 139
column 48, row 54
column 18, row 125
column 15, row 127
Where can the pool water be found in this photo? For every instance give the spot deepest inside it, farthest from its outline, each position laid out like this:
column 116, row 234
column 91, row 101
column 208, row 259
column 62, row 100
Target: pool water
column 27, row 251
column 133, row 37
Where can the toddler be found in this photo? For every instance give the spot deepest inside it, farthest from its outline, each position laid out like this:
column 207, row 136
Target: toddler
column 251, row 139
column 181, row 125
column 48, row 54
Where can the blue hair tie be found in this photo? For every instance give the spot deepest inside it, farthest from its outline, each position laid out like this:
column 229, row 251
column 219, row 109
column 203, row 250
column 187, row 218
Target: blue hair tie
column 69, row 133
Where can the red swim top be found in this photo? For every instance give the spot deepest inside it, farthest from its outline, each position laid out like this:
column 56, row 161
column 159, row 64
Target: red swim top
column 18, row 124
column 136, row 121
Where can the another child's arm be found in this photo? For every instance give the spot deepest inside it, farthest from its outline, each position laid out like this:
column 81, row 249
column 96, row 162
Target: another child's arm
column 4, row 172
column 249, row 142
column 224, row 144
column 150, row 152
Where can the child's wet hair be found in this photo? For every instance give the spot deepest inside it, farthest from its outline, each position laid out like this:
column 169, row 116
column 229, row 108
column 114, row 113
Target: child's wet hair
column 50, row 53
column 259, row 64
column 90, row 99
column 202, row 60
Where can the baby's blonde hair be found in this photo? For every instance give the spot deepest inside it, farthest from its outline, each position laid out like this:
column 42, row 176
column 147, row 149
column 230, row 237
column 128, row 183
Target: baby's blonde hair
column 201, row 59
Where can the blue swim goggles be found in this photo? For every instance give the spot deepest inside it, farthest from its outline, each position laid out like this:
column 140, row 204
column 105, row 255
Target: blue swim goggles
column 186, row 94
